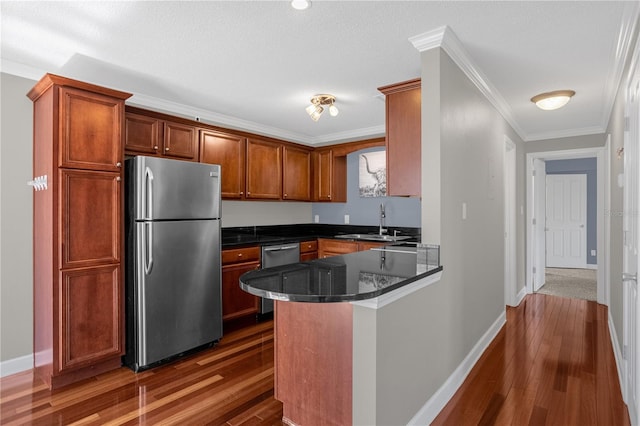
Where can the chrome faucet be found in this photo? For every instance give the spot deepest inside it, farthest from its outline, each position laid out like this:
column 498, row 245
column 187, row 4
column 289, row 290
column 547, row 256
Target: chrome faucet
column 382, row 230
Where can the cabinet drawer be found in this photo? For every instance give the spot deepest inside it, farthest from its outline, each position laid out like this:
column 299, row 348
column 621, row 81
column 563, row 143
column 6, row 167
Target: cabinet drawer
column 308, row 246
column 241, row 255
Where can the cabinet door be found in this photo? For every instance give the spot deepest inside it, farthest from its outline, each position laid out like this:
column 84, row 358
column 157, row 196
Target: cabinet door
column 296, row 179
column 328, row 247
column 235, row 301
column 404, row 141
column 228, row 151
column 264, row 169
column 91, row 130
column 89, row 306
column 324, row 175
column 368, row 245
column 90, row 218
column 141, row 135
column 180, row 141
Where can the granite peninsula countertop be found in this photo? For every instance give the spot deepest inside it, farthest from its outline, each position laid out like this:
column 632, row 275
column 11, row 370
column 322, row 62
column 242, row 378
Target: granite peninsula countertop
column 350, row 277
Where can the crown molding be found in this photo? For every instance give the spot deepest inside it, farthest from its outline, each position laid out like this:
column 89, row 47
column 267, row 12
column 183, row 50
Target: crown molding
column 558, row 134
column 445, row 38
column 619, row 57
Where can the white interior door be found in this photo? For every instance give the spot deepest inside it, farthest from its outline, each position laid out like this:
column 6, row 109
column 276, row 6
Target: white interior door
column 539, row 213
column 566, row 221
column 630, row 254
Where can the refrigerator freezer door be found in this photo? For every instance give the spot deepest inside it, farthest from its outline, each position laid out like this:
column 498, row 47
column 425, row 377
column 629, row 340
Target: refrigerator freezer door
column 167, row 189
column 178, row 291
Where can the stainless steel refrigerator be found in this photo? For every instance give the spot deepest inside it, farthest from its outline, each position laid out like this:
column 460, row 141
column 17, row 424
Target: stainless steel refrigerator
column 173, row 274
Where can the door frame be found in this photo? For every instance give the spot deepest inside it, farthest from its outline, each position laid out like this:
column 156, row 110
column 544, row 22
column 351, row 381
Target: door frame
column 602, row 194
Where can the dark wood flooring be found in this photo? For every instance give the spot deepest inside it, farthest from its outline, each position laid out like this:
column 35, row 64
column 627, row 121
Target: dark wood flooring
column 230, row 384
column 552, row 364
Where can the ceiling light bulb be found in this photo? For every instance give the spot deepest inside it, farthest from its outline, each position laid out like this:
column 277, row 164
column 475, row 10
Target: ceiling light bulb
column 310, row 109
column 315, row 115
column 300, row 4
column 333, row 110
column 553, row 100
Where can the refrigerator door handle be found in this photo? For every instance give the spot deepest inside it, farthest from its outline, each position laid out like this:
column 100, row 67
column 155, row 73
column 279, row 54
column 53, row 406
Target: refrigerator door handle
column 148, row 208
column 148, row 264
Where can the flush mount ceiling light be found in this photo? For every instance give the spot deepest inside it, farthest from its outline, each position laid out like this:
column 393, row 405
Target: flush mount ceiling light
column 300, row 4
column 316, row 108
column 553, row 100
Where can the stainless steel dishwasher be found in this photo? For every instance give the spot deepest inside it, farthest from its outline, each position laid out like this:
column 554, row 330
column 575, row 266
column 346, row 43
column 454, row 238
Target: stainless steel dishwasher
column 277, row 255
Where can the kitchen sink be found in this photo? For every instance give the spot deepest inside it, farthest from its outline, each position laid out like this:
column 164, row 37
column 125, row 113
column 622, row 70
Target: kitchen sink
column 373, row 237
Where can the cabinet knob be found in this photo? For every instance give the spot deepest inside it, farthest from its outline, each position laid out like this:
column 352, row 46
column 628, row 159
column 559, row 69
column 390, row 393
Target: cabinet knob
column 118, row 164
column 166, row 149
column 248, row 193
column 329, row 196
column 285, row 195
column 155, row 147
column 118, row 179
column 241, row 192
column 239, row 254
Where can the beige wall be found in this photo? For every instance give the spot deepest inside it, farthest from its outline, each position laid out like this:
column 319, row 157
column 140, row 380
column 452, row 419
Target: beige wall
column 16, row 205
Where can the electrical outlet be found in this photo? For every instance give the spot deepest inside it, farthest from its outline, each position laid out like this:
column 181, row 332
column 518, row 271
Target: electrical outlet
column 464, row 211
column 346, row 219
column 593, row 252
column 316, row 218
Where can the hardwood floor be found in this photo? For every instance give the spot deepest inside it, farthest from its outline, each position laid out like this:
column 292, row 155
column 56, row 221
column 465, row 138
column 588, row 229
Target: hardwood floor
column 230, row 384
column 552, row 364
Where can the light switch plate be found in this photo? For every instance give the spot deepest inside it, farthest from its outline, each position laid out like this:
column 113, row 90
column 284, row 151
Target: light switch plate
column 316, row 218
column 346, row 219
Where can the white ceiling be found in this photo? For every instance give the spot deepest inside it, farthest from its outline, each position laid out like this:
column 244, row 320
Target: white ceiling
column 254, row 65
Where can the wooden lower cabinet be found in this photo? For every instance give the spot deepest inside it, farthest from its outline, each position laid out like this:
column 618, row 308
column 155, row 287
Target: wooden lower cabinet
column 236, row 302
column 89, row 306
column 329, row 247
column 308, row 250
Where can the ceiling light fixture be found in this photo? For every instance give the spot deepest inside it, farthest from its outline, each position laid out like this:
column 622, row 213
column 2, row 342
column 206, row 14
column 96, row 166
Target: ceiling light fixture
column 553, row 100
column 316, row 108
column 300, row 4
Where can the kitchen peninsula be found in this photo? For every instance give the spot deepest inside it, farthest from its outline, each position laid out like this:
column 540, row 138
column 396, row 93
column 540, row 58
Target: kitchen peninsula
column 327, row 315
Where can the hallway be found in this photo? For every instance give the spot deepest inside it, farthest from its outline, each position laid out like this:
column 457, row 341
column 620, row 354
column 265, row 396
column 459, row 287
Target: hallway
column 552, row 363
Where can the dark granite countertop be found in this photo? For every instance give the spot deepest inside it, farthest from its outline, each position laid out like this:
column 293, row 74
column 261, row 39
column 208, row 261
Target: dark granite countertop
column 237, row 237
column 356, row 276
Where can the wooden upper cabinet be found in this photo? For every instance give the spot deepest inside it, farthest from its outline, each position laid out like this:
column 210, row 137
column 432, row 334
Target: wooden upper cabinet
column 151, row 135
column 142, row 134
column 404, row 135
column 296, row 179
column 330, row 177
column 180, row 141
column 229, row 151
column 91, row 130
column 264, row 169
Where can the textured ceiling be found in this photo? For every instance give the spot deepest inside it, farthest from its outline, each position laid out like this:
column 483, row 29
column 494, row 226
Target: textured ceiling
column 254, row 65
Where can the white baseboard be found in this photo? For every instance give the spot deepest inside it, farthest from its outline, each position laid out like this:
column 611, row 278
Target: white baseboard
column 520, row 296
column 590, row 266
column 16, row 365
column 436, row 403
column 617, row 354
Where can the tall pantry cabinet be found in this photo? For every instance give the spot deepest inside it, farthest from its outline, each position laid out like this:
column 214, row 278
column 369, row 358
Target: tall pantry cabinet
column 78, row 229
